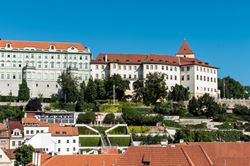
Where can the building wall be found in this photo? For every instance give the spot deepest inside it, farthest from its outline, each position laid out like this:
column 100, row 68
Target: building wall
column 44, row 67
column 173, row 74
column 30, row 131
column 63, row 147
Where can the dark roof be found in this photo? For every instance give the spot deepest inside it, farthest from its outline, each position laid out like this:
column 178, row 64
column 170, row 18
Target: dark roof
column 12, row 125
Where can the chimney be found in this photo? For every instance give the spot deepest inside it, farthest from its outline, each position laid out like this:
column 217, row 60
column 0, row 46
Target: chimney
column 106, row 58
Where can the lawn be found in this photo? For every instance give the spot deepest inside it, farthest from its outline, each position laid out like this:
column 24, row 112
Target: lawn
column 120, row 141
column 90, row 141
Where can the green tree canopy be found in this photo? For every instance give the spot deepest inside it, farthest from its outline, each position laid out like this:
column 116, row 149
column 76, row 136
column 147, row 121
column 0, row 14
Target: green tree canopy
column 231, row 88
column 24, row 91
column 178, row 93
column 86, row 118
column 34, row 105
column 120, row 86
column 109, row 118
column 90, row 92
column 153, row 89
column 100, row 89
column 24, row 154
column 68, row 84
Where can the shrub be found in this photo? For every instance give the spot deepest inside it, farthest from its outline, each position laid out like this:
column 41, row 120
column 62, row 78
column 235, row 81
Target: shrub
column 109, row 118
column 85, row 131
column 170, row 123
column 109, row 108
column 119, row 130
column 87, row 118
column 139, row 129
column 34, row 105
column 120, row 141
column 90, row 141
column 197, row 126
column 147, row 140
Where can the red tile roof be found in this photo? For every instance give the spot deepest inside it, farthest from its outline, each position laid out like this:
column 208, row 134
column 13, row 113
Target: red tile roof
column 185, row 49
column 5, row 133
column 82, row 160
column 56, row 130
column 10, row 153
column 190, row 154
column 12, row 125
column 41, row 45
column 148, row 58
column 34, row 122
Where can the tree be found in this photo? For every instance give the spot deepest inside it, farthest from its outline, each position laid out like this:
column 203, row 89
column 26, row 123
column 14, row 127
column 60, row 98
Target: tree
column 241, row 110
column 194, row 107
column 179, row 93
column 154, row 88
column 24, row 154
column 90, row 92
column 24, row 91
column 138, row 90
column 34, row 105
column 231, row 88
column 109, row 118
column 100, row 89
column 120, row 86
column 68, row 84
column 80, row 99
column 87, row 118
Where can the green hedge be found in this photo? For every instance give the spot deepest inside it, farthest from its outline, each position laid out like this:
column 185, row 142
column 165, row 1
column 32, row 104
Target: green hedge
column 170, row 123
column 139, row 129
column 90, row 141
column 119, row 130
column 120, row 141
column 109, row 108
column 85, row 131
column 101, row 128
column 197, row 126
column 148, row 140
column 65, row 106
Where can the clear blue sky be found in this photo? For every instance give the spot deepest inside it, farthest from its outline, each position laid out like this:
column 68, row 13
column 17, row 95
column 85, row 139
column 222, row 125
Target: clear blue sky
column 218, row 31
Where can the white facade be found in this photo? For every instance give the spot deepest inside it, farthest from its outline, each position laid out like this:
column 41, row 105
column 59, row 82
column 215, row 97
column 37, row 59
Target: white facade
column 183, row 69
column 44, row 62
column 16, row 139
column 61, row 145
column 30, row 131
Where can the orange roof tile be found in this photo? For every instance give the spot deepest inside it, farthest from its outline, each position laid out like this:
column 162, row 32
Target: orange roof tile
column 56, row 130
column 148, row 59
column 185, row 49
column 82, row 160
column 41, row 45
column 34, row 121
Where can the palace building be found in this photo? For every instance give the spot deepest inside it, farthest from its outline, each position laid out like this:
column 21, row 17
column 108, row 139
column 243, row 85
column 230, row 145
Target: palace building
column 182, row 69
column 42, row 63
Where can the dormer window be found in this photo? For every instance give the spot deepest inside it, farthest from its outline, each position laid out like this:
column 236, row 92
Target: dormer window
column 52, row 47
column 72, row 48
column 8, row 45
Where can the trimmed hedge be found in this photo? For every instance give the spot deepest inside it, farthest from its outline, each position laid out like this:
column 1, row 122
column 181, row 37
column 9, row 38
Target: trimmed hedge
column 119, row 130
column 109, row 108
column 170, row 123
column 90, row 141
column 120, row 141
column 101, row 128
column 85, row 131
column 139, row 129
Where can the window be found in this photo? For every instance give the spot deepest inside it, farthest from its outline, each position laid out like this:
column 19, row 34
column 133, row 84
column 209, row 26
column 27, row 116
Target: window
column 124, row 67
column 96, row 76
column 67, row 141
column 171, row 68
column 162, row 67
column 175, row 77
column 130, row 67
column 129, row 76
column 19, row 143
column 59, row 149
column 156, row 67
column 124, row 76
column 47, row 85
column 197, row 77
column 59, row 141
column 96, row 66
column 13, row 143
column 74, row 141
column 74, row 149
column 31, row 132
column 134, row 76
column 147, row 67
column 114, row 66
column 134, row 67
column 151, row 67
column 103, row 67
column 182, row 78
column 188, row 68
column 188, row 77
column 27, row 131
column 67, row 149
column 175, row 68
column 182, row 68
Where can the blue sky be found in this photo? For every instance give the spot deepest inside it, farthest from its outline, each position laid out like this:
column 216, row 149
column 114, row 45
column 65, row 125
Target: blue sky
column 218, row 31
